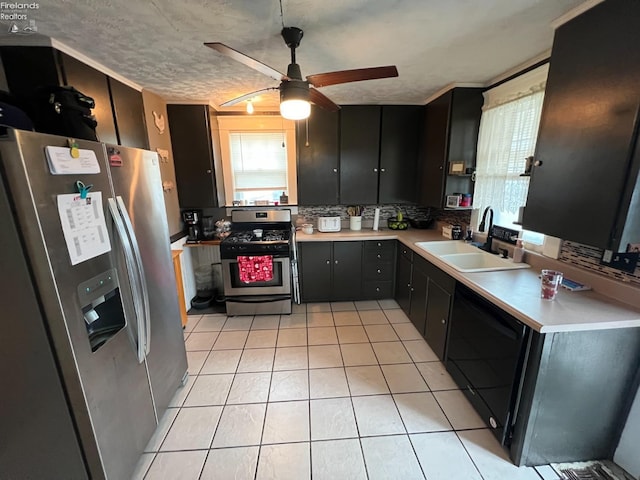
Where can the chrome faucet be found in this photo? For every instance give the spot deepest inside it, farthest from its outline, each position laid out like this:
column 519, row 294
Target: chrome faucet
column 487, row 244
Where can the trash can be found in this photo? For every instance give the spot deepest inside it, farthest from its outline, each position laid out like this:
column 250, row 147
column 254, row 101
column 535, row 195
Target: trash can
column 204, row 287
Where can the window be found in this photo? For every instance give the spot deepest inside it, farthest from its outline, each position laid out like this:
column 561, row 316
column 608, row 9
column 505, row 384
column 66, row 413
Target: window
column 258, row 159
column 258, row 165
column 508, row 133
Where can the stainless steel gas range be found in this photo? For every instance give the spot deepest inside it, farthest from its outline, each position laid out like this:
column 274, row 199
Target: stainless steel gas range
column 256, row 264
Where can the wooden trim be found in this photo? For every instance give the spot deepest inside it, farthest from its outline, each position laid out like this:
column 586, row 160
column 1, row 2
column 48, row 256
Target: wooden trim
column 175, row 255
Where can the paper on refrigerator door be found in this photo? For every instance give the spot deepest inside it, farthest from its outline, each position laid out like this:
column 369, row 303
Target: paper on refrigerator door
column 84, row 226
column 62, row 163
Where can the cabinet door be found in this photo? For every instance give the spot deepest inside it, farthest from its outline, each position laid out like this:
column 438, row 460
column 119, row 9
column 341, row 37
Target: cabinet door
column 318, row 153
column 587, row 126
column 193, row 155
column 403, row 281
column 437, row 319
column 347, row 271
column 315, row 271
column 128, row 112
column 418, row 306
column 399, row 143
column 359, row 154
column 27, row 68
column 94, row 84
column 436, row 127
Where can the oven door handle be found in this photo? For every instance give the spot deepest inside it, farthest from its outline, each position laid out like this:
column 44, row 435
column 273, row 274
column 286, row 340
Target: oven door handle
column 249, row 299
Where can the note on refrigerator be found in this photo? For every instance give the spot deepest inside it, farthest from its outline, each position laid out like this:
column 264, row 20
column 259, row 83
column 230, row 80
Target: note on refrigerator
column 84, row 226
column 62, row 163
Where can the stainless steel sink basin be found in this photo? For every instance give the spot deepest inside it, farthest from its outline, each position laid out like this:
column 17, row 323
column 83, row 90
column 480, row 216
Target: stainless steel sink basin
column 467, row 258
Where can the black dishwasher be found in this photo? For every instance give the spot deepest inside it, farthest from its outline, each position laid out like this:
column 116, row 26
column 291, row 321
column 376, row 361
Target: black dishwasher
column 486, row 356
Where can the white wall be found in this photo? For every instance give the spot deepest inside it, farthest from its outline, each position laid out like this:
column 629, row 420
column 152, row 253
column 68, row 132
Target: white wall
column 628, row 452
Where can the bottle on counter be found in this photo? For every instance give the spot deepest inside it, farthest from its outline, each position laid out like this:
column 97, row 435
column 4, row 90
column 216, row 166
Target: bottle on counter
column 518, row 252
column 284, row 198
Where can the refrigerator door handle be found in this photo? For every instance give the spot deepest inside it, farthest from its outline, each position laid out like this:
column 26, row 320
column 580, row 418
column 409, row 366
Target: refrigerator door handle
column 142, row 278
column 133, row 276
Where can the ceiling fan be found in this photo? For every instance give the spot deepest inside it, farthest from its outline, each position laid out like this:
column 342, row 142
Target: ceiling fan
column 296, row 93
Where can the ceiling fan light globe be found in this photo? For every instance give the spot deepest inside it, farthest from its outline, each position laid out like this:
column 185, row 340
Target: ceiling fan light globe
column 295, row 109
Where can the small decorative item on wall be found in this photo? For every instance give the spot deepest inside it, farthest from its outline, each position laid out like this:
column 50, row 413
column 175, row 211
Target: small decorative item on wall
column 163, row 154
column 159, row 122
column 168, row 185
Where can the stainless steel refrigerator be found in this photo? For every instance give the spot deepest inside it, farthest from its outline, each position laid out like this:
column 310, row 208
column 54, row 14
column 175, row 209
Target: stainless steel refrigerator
column 91, row 347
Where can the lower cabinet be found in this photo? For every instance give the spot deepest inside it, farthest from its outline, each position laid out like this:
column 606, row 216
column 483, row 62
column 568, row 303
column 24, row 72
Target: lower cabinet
column 378, row 269
column 330, row 271
column 424, row 293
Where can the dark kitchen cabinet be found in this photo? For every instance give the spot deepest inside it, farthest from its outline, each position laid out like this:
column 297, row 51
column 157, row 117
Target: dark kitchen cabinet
column 438, row 310
column 378, row 269
column 119, row 108
column 330, row 271
column 399, row 145
column 359, row 154
column 418, row 303
column 318, row 148
column 403, row 278
column 346, row 278
column 128, row 111
column 452, row 123
column 190, row 130
column 315, row 270
column 588, row 138
column 95, row 84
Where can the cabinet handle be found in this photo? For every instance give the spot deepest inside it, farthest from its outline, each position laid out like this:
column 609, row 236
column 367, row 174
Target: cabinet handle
column 409, row 285
column 382, row 169
column 377, row 289
column 443, row 321
column 375, row 169
column 336, row 262
column 379, row 244
column 412, row 289
column 379, row 271
column 335, row 170
column 378, row 256
column 328, row 262
column 209, row 171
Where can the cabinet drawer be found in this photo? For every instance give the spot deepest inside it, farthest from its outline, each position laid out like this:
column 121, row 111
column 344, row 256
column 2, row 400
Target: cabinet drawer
column 405, row 251
column 378, row 271
column 377, row 290
column 380, row 256
column 378, row 246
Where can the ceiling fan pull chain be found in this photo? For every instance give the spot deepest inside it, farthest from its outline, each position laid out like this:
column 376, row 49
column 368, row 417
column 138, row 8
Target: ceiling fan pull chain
column 307, row 122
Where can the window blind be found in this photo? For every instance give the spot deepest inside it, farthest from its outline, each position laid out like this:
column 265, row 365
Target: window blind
column 258, row 160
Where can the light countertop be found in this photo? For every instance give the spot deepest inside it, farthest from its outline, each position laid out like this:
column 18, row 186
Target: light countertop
column 515, row 291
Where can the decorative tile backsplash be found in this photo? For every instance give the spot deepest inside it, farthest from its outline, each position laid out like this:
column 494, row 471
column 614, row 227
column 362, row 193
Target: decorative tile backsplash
column 588, row 257
column 417, row 212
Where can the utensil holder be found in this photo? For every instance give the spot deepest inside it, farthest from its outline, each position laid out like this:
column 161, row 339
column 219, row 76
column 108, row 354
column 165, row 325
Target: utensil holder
column 355, row 223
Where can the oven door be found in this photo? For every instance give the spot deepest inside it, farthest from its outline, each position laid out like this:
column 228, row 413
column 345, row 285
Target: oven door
column 280, row 284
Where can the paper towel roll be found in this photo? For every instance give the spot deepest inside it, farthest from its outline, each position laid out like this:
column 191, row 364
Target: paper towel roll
column 376, row 219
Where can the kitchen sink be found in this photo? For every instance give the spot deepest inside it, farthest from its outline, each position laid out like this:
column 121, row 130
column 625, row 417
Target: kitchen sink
column 446, row 248
column 467, row 258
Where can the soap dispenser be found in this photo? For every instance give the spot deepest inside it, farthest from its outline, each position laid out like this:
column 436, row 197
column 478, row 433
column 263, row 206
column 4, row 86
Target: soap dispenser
column 284, row 198
column 518, row 252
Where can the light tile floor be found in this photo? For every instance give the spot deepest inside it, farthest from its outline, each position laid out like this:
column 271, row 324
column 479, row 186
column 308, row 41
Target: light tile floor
column 345, row 390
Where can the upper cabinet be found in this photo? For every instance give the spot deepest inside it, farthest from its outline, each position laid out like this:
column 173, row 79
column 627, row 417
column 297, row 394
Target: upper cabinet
column 452, row 123
column 128, row 112
column 318, row 148
column 359, row 153
column 119, row 109
column 193, row 157
column 399, row 145
column 587, row 151
column 365, row 154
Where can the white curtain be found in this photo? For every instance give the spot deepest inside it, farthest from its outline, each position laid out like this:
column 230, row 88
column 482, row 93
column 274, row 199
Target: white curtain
column 508, row 133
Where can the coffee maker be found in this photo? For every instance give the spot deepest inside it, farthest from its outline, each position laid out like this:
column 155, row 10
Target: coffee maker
column 191, row 219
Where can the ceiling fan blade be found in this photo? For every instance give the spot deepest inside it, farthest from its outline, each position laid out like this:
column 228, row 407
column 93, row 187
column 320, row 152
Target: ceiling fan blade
column 246, row 60
column 345, row 76
column 322, row 100
column 246, row 96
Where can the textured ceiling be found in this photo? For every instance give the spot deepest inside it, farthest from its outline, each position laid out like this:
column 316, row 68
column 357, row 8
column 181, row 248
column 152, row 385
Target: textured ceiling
column 158, row 44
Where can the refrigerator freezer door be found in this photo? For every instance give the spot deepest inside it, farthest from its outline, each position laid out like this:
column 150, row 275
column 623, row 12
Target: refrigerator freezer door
column 137, row 180
column 107, row 389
